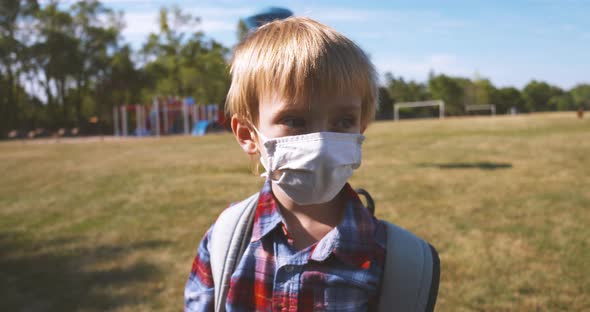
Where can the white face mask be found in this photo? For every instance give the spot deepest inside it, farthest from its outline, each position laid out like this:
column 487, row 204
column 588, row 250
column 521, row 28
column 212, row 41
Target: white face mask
column 311, row 168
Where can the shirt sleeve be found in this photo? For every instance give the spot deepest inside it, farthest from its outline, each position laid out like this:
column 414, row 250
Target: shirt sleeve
column 199, row 291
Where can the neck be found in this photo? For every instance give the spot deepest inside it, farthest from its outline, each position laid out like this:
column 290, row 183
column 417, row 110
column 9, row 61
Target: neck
column 309, row 223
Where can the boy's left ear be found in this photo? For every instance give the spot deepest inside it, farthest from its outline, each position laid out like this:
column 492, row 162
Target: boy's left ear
column 244, row 135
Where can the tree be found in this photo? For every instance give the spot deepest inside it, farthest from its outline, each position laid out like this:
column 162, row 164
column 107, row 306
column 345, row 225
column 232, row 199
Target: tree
column 55, row 59
column 581, row 95
column 97, row 29
column 401, row 91
column 242, row 31
column 385, row 106
column 508, row 98
column 165, row 47
column 482, row 91
column 537, row 94
column 15, row 16
column 450, row 90
column 398, row 90
column 119, row 82
column 562, row 102
column 184, row 67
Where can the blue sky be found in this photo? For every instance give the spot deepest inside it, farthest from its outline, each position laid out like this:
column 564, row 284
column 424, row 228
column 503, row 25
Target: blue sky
column 509, row 42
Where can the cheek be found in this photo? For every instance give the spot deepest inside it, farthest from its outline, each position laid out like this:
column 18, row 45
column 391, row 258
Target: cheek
column 266, row 111
column 265, row 124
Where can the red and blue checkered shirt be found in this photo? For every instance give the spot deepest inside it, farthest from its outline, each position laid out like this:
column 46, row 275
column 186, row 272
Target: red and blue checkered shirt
column 341, row 272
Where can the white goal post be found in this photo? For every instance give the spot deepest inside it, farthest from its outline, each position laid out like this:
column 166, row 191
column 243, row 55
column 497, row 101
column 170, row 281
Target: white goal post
column 481, row 107
column 439, row 103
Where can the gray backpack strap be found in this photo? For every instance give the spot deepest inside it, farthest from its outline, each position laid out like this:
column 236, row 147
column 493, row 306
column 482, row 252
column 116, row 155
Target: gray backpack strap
column 412, row 271
column 228, row 242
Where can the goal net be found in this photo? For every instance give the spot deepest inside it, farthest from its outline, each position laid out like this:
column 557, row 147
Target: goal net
column 481, row 107
column 439, row 103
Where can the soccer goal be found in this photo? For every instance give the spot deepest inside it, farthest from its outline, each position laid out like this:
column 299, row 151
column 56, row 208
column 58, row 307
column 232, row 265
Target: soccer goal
column 481, row 107
column 439, row 103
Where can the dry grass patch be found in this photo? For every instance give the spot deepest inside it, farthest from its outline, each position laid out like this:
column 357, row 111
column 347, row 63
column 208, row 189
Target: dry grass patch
column 114, row 225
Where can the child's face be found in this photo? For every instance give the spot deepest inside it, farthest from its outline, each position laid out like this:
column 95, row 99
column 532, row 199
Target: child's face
column 279, row 118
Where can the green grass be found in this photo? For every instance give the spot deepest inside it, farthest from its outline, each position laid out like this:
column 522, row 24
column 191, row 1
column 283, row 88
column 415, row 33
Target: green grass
column 115, row 224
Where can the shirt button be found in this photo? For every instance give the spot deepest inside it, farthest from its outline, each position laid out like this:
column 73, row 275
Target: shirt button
column 289, row 269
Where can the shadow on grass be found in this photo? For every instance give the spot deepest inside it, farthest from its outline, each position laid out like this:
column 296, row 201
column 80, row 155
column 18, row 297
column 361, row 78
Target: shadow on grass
column 464, row 165
column 49, row 276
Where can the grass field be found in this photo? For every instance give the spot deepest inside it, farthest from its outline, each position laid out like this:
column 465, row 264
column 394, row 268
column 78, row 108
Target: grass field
column 115, row 224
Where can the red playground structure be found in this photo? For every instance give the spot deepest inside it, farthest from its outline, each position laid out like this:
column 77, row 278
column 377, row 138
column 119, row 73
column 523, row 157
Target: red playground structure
column 166, row 115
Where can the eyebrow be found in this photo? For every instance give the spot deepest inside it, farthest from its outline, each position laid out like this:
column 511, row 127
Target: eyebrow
column 290, row 108
column 286, row 111
column 283, row 108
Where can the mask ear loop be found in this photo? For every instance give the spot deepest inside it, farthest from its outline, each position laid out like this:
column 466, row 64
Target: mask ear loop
column 263, row 139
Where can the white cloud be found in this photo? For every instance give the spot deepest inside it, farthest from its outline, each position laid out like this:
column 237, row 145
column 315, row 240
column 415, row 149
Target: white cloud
column 140, row 24
column 218, row 25
column 407, row 18
column 123, row 2
column 104, row 2
column 219, row 11
column 385, row 24
column 213, row 20
column 418, row 69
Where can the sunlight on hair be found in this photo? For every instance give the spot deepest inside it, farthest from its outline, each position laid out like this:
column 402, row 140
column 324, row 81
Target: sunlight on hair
column 297, row 59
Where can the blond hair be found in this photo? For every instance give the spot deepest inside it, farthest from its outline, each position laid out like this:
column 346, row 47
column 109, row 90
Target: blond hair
column 296, row 59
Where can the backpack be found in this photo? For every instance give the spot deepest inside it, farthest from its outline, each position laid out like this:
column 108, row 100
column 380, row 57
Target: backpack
column 412, row 267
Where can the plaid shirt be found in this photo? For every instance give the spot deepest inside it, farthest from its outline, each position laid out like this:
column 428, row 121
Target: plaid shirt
column 341, row 272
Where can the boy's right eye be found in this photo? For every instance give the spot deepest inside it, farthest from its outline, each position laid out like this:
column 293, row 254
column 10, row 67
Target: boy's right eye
column 293, row 122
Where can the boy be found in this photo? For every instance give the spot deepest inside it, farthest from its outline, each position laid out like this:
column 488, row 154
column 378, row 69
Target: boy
column 301, row 96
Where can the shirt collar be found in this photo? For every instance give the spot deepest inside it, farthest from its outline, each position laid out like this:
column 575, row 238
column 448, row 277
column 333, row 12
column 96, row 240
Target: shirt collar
column 267, row 215
column 352, row 240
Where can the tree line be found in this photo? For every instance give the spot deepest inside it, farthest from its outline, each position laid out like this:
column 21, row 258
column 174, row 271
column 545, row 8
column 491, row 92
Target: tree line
column 66, row 66
column 459, row 92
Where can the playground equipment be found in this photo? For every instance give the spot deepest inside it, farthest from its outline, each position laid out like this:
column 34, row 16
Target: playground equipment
column 166, row 115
